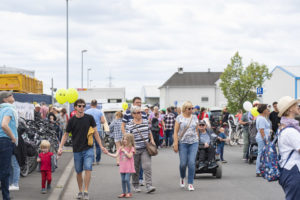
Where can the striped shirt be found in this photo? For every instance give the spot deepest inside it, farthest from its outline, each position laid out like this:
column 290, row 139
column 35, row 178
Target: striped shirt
column 143, row 128
column 128, row 117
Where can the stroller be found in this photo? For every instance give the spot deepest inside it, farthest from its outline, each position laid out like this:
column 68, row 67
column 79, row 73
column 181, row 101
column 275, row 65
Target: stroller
column 217, row 171
column 253, row 147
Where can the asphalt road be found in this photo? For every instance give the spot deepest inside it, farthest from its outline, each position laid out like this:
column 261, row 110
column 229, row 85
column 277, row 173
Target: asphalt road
column 238, row 181
column 30, row 186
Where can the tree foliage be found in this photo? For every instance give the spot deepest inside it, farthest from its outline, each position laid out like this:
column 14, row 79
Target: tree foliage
column 239, row 84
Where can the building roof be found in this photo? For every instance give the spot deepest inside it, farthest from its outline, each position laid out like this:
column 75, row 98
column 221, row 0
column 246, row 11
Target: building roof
column 193, row 79
column 293, row 71
column 151, row 91
column 13, row 70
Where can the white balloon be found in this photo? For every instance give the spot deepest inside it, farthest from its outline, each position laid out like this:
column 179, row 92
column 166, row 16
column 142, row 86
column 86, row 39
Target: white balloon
column 247, row 106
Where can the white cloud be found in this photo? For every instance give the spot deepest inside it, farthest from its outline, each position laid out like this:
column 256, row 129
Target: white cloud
column 142, row 42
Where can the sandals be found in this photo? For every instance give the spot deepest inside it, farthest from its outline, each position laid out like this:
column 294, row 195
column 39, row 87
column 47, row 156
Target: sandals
column 122, row 195
column 128, row 195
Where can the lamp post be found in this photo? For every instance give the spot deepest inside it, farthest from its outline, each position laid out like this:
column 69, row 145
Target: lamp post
column 82, row 51
column 91, row 83
column 67, row 43
column 88, row 81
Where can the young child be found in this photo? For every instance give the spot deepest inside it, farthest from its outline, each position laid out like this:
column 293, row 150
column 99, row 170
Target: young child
column 126, row 164
column 222, row 138
column 45, row 161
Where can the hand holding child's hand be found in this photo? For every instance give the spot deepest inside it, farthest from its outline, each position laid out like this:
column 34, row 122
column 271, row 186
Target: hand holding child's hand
column 38, row 160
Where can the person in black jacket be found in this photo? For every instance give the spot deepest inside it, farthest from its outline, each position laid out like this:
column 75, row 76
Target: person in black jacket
column 274, row 118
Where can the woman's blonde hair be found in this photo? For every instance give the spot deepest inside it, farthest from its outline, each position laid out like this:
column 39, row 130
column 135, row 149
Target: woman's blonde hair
column 186, row 105
column 45, row 144
column 119, row 115
column 130, row 139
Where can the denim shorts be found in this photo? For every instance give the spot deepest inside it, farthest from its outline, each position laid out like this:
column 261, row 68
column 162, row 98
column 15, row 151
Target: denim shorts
column 84, row 160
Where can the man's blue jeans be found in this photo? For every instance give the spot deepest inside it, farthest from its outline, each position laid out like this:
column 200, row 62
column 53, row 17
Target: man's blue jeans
column 14, row 172
column 6, row 150
column 169, row 137
column 187, row 156
column 98, row 149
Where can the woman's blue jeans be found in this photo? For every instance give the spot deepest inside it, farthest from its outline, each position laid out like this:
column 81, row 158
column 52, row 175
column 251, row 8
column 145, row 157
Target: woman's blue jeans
column 187, row 156
column 6, row 150
column 261, row 145
column 14, row 172
column 125, row 177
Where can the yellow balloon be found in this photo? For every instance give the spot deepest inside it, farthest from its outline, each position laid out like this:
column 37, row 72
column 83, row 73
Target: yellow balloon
column 124, row 105
column 72, row 95
column 61, row 96
column 254, row 112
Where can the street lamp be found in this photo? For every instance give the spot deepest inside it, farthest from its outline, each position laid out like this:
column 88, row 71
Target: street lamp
column 88, row 70
column 91, row 83
column 67, row 43
column 82, row 51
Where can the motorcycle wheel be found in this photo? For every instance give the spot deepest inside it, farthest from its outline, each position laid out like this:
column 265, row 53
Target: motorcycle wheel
column 24, row 170
column 32, row 163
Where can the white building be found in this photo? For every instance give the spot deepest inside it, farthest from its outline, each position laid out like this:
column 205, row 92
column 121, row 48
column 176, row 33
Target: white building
column 102, row 95
column 201, row 88
column 150, row 94
column 285, row 81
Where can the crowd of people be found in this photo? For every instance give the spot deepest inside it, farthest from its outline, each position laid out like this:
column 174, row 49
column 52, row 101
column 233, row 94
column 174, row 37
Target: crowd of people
column 186, row 129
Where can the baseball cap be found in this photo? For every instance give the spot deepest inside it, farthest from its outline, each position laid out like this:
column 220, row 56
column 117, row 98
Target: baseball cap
column 5, row 94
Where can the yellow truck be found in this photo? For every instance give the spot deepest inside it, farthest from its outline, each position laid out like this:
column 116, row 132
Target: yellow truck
column 20, row 83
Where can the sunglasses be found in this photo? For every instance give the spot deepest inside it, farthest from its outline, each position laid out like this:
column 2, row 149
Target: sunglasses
column 201, row 124
column 189, row 108
column 136, row 113
column 79, row 106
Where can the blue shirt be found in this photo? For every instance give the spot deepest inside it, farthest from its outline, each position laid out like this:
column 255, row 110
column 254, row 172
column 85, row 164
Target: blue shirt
column 97, row 114
column 262, row 123
column 204, row 138
column 7, row 111
column 223, row 136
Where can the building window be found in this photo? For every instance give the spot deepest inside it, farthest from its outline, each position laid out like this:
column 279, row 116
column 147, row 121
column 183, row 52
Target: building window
column 204, row 99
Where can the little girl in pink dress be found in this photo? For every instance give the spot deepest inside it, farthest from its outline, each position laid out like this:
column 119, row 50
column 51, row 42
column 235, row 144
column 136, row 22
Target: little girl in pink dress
column 125, row 154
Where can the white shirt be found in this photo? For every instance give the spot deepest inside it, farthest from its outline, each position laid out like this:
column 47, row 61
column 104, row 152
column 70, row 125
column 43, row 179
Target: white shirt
column 288, row 141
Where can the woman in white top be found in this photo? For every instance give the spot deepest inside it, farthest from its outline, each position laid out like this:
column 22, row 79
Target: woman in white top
column 186, row 141
column 289, row 147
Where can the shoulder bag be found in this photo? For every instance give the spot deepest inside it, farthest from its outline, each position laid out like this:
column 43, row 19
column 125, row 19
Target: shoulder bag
column 152, row 149
column 185, row 129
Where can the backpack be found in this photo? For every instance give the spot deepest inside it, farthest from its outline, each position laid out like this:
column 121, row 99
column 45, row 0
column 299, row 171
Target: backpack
column 269, row 161
column 155, row 125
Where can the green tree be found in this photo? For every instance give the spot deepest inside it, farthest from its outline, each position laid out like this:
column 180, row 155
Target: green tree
column 239, row 84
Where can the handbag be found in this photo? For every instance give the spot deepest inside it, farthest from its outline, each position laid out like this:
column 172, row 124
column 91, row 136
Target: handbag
column 186, row 128
column 152, row 149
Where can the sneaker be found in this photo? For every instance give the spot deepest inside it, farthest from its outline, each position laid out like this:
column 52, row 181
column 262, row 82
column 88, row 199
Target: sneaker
column 97, row 163
column 137, row 189
column 13, row 188
column 224, row 161
column 182, row 183
column 94, row 163
column 85, row 196
column 79, row 195
column 43, row 191
column 141, row 182
column 258, row 174
column 128, row 195
column 212, row 165
column 150, row 189
column 191, row 187
column 48, row 186
column 201, row 166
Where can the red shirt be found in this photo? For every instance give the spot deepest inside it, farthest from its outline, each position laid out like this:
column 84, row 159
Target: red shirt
column 45, row 161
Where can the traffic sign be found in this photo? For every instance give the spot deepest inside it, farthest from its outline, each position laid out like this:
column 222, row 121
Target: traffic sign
column 260, row 91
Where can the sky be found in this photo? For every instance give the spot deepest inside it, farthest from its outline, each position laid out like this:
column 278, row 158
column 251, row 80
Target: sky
column 143, row 42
